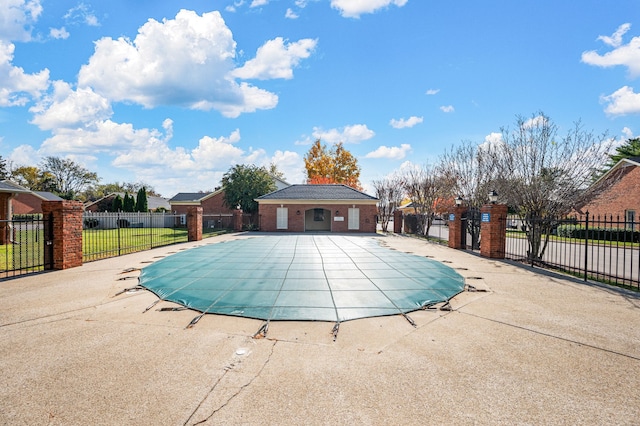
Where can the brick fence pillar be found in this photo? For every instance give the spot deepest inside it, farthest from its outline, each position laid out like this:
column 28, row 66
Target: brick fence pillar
column 456, row 227
column 237, row 220
column 493, row 229
column 194, row 223
column 397, row 221
column 5, row 214
column 66, row 232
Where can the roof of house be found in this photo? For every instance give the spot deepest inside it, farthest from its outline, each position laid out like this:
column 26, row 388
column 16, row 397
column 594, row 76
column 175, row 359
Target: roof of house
column 47, row 196
column 9, row 186
column 152, row 201
column 318, row 192
column 625, row 162
column 191, row 197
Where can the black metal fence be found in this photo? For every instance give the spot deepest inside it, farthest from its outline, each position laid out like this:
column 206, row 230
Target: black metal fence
column 114, row 234
column 601, row 248
column 25, row 245
column 215, row 223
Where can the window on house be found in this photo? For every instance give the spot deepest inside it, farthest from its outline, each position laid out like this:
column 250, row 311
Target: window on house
column 318, row 215
column 630, row 216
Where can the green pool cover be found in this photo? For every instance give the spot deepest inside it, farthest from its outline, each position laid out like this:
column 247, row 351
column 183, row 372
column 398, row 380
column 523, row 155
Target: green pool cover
column 301, row 277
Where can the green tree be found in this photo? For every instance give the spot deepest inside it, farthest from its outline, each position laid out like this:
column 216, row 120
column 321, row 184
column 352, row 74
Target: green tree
column 242, row 184
column 129, row 203
column 4, row 173
column 68, row 178
column 629, row 149
column 337, row 166
column 117, row 205
column 142, row 204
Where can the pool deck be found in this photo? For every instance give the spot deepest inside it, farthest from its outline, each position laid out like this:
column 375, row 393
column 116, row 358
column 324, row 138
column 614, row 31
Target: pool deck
column 534, row 348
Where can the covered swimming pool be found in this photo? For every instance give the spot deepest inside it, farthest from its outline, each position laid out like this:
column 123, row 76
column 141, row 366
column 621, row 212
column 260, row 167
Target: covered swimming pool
column 304, row 277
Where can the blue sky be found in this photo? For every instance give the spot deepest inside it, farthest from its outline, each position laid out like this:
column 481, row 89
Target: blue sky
column 174, row 93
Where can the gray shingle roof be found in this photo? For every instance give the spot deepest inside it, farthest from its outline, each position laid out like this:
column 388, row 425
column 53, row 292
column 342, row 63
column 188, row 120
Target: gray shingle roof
column 48, row 196
column 8, row 186
column 317, row 192
column 189, row 196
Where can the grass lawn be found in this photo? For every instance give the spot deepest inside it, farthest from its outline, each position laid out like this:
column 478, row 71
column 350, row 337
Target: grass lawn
column 96, row 244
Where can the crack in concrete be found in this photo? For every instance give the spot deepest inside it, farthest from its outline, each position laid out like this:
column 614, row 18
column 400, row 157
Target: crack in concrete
column 232, row 397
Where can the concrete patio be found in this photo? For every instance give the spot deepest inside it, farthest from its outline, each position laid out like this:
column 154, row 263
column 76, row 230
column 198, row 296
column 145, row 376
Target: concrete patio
column 535, row 348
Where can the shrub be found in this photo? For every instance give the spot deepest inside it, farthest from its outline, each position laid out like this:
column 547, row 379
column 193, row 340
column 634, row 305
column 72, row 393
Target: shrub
column 600, row 234
column 91, row 223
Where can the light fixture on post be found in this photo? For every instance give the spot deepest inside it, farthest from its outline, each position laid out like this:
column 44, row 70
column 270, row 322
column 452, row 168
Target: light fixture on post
column 458, row 201
column 493, row 197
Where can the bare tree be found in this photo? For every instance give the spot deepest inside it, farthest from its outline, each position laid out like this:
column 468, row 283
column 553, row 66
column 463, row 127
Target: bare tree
column 424, row 186
column 466, row 168
column 390, row 192
column 543, row 176
column 68, row 177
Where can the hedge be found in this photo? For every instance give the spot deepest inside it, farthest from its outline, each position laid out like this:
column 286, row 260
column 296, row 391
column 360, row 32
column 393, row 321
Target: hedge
column 602, row 234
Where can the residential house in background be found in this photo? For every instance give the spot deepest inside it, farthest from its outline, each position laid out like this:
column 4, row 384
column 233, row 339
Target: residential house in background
column 617, row 193
column 104, row 204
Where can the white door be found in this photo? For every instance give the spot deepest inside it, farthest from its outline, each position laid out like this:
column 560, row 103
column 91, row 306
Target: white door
column 282, row 219
column 354, row 218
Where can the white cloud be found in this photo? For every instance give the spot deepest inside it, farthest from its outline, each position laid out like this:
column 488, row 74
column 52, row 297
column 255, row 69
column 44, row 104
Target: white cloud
column 71, row 109
column 15, row 84
column 59, row 33
column 447, row 108
column 17, row 17
column 493, row 139
column 81, row 14
column 537, row 121
column 349, row 134
column 627, row 55
column 432, row 92
column 402, row 123
column 274, row 59
column 290, row 14
column 25, row 155
column 151, row 70
column 390, row 153
column 616, row 39
column 257, row 3
column 291, row 164
column 355, row 8
column 623, row 101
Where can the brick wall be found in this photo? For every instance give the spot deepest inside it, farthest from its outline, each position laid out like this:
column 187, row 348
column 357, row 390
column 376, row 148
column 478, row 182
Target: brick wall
column 455, row 228
column 194, row 223
column 67, row 232
column 26, row 204
column 296, row 222
column 211, row 206
column 622, row 195
column 494, row 232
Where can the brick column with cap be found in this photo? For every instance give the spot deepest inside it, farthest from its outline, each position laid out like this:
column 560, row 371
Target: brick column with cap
column 397, row 221
column 493, row 230
column 67, row 232
column 237, row 220
column 194, row 223
column 456, row 227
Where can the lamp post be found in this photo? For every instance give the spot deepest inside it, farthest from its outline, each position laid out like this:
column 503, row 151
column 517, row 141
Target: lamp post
column 458, row 201
column 493, row 196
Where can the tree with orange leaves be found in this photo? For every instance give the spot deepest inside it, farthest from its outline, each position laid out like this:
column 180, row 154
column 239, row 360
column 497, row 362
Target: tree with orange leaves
column 335, row 166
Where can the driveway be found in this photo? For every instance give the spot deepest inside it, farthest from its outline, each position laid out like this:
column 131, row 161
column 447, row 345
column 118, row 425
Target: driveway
column 533, row 348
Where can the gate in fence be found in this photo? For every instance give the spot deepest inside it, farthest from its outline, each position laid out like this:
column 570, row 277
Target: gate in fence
column 25, row 245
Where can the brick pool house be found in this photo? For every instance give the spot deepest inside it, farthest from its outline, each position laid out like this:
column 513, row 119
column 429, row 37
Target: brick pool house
column 328, row 208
